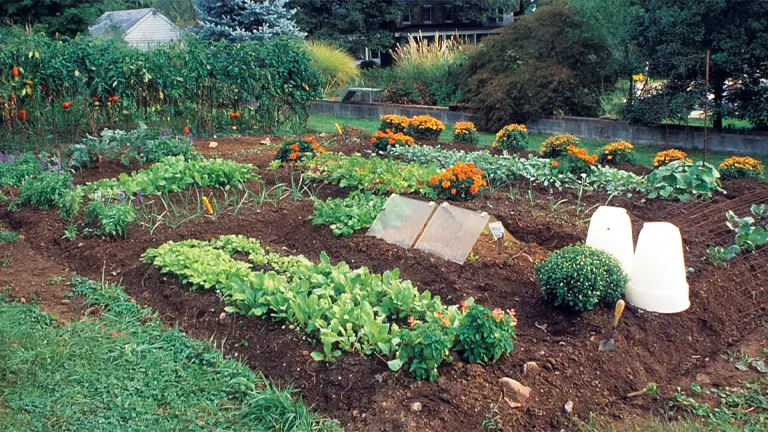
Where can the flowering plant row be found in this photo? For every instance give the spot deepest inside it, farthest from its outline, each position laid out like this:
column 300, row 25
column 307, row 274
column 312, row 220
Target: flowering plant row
column 382, row 141
column 465, row 132
column 461, row 182
column 297, row 150
column 425, row 127
column 557, row 145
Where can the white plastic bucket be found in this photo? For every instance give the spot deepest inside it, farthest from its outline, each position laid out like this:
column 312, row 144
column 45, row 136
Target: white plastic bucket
column 610, row 230
column 658, row 279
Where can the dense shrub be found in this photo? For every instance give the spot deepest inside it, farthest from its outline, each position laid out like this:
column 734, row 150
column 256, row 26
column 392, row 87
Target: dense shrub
column 483, row 336
column 297, row 150
column 741, row 167
column 393, row 122
column 580, row 277
column 45, row 189
column 465, row 132
column 512, row 137
column 382, row 141
column 618, row 152
column 16, row 167
column 666, row 157
column 545, row 63
column 753, row 103
column 557, row 145
column 425, row 127
column 461, row 182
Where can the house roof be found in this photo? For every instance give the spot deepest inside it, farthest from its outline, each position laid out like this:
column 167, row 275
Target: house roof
column 121, row 20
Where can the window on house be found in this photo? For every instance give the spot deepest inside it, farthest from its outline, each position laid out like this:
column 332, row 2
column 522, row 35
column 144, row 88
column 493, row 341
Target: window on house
column 407, row 17
column 426, row 14
column 448, row 13
column 499, row 16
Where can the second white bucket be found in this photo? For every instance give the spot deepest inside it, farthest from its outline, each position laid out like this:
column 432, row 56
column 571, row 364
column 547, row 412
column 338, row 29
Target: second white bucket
column 610, row 230
column 658, row 281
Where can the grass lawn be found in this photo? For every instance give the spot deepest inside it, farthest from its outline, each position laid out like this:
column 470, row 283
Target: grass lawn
column 644, row 154
column 126, row 372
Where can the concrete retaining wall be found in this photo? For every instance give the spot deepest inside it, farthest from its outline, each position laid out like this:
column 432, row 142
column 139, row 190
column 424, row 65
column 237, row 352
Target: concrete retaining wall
column 736, row 142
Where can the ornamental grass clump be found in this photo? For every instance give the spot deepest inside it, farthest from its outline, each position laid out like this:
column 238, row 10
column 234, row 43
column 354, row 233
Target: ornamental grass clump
column 741, row 167
column 512, row 137
column 425, row 127
column 395, row 123
column 557, row 145
column 668, row 156
column 461, row 182
column 465, row 132
column 618, row 152
column 484, row 336
column 580, row 277
column 297, row 150
column 382, row 141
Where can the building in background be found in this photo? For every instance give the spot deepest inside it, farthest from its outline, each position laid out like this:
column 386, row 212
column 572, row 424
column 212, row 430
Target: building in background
column 143, row 28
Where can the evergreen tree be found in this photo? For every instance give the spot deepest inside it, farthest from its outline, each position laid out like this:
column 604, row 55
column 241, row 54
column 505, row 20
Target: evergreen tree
column 238, row 20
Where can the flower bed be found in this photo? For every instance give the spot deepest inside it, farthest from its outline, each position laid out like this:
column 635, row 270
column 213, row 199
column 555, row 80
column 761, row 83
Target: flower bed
column 741, row 167
column 461, row 182
column 465, row 132
column 512, row 137
column 425, row 127
column 297, row 150
column 382, row 141
column 395, row 123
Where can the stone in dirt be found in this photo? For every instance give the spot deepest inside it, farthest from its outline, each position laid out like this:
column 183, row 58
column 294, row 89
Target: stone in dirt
column 265, row 141
column 568, row 408
column 515, row 393
column 531, row 368
column 416, row 407
column 213, row 144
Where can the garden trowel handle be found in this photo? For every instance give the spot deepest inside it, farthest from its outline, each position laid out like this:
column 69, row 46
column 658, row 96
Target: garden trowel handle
column 617, row 314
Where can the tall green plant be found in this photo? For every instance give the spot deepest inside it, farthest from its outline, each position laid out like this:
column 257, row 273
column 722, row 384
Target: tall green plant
column 335, row 66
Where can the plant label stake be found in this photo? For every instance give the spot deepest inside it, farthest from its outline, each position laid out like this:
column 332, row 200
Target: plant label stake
column 609, row 344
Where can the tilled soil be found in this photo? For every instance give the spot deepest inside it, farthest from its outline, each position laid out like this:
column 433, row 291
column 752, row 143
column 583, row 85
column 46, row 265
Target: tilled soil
column 727, row 304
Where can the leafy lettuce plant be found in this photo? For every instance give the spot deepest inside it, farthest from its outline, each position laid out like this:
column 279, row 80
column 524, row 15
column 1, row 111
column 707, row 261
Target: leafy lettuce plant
column 347, row 215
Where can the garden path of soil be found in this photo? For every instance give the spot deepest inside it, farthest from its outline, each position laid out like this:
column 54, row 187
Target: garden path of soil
column 364, row 395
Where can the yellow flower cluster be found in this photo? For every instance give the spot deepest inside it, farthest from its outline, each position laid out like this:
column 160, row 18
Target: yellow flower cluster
column 463, row 128
column 741, row 166
column 617, row 152
column 511, row 128
column 638, row 77
column 427, row 122
column 557, row 145
column 394, row 122
column 667, row 156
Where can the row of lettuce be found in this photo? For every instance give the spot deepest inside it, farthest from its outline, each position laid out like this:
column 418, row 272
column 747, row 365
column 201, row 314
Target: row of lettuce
column 344, row 310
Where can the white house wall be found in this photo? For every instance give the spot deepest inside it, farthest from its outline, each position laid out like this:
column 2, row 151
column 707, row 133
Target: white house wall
column 151, row 31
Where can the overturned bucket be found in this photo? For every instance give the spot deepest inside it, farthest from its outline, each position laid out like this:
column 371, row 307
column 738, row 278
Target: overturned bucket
column 610, row 230
column 658, row 282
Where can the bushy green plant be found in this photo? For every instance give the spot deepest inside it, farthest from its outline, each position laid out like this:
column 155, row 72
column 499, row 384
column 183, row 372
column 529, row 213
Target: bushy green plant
column 741, row 167
column 347, row 215
column 580, row 277
column 112, row 219
column 8, row 236
column 45, row 190
column 424, row 347
column 336, row 67
column 512, row 137
column 16, row 167
column 465, row 132
column 684, row 181
column 483, row 336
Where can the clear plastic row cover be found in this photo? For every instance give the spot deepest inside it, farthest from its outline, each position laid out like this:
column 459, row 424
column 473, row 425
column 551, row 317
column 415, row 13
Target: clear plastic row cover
column 450, row 232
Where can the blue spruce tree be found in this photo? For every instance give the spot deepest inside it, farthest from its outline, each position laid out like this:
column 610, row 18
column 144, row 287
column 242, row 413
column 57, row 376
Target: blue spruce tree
column 239, row 20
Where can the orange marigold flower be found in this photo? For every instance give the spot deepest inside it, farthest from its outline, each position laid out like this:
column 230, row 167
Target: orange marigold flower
column 445, row 184
column 293, row 156
column 554, row 164
column 453, row 191
column 473, row 189
column 433, row 180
